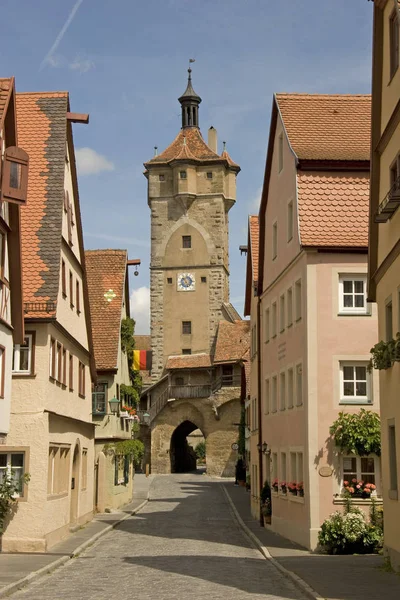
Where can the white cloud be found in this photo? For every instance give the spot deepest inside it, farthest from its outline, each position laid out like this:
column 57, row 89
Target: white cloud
column 140, row 310
column 89, row 162
column 48, row 57
column 81, row 64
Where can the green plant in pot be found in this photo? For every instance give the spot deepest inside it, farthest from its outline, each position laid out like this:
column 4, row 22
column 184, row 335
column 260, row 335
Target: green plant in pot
column 10, row 488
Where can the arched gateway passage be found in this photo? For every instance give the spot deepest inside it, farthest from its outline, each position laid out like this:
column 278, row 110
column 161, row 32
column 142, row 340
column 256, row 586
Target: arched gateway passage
column 183, row 457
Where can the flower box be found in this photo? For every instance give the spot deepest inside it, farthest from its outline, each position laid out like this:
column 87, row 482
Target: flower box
column 124, row 414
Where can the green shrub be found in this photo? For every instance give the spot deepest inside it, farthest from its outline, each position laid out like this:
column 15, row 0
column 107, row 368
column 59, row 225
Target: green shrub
column 349, row 533
column 200, row 450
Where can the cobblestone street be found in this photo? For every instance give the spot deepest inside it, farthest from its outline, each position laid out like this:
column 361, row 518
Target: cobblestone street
column 185, row 543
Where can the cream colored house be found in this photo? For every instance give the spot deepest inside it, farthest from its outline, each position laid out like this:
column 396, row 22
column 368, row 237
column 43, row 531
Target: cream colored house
column 51, row 428
column 107, row 278
column 384, row 247
column 314, row 325
column 11, row 312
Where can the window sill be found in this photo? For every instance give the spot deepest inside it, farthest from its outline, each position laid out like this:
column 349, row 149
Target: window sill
column 298, row 499
column 81, row 396
column 57, row 496
column 355, row 402
column 64, row 295
column 392, row 76
column 361, row 501
column 354, row 314
column 282, row 331
column 17, row 375
column 298, row 320
column 78, row 312
column 290, row 325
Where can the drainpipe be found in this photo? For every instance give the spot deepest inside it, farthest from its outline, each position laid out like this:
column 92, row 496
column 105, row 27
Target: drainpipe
column 260, row 442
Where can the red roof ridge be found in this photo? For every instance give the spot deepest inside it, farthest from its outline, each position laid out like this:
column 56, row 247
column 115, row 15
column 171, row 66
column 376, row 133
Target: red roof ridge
column 55, row 93
column 307, row 95
column 227, row 157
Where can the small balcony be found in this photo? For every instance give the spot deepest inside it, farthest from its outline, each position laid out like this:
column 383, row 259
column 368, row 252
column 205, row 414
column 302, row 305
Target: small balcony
column 389, row 204
column 189, row 391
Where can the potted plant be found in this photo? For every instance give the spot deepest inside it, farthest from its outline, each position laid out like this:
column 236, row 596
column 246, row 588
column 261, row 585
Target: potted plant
column 275, row 485
column 266, row 511
column 300, row 489
column 124, row 412
column 292, row 487
column 283, row 486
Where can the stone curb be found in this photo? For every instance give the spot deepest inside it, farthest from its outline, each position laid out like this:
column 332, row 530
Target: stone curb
column 24, row 581
column 307, row 589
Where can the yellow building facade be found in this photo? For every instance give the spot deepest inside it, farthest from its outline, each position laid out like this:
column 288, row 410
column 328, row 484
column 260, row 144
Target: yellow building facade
column 384, row 247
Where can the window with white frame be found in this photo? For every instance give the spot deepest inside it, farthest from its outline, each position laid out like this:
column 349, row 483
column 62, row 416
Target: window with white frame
column 358, row 468
column 296, row 467
column 274, row 240
column 290, row 390
column 22, row 357
column 299, row 385
column 267, row 397
column 274, row 320
column 12, row 463
column 274, row 402
column 275, row 473
column 298, row 305
column 289, row 307
column 355, row 383
column 266, row 326
column 290, row 221
column 282, row 313
column 99, row 398
column 353, row 294
column 282, row 391
column 283, row 468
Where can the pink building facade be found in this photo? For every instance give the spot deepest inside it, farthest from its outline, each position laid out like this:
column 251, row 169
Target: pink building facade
column 315, row 326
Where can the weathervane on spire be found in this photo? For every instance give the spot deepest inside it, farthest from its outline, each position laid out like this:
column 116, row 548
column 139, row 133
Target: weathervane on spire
column 190, row 102
column 191, row 60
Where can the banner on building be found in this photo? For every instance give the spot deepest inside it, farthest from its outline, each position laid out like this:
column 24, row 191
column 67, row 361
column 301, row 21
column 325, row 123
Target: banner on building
column 142, row 360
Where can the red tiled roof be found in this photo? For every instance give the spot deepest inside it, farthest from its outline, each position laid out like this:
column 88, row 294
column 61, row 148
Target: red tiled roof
column 333, row 208
column 142, row 342
column 6, row 87
column 190, row 145
column 254, row 230
column 42, row 126
column 233, row 341
column 105, row 271
column 188, row 361
column 327, row 127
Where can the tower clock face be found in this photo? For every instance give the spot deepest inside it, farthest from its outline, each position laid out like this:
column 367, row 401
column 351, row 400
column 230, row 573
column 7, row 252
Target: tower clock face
column 186, row 282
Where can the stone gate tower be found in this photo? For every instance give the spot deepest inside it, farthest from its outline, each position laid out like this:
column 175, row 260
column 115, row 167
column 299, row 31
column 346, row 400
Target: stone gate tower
column 191, row 189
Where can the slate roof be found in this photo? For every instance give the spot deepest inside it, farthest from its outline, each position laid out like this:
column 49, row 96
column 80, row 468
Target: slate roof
column 254, row 234
column 333, row 208
column 106, row 270
column 188, row 361
column 190, row 145
column 42, row 132
column 327, row 127
column 233, row 341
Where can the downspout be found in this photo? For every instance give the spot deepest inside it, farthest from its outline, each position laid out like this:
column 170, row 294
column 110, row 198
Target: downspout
column 260, row 454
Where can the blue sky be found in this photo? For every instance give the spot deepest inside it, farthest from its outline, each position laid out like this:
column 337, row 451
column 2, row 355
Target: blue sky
column 125, row 62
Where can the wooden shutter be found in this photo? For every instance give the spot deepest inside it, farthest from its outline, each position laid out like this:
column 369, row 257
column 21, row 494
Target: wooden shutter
column 14, row 185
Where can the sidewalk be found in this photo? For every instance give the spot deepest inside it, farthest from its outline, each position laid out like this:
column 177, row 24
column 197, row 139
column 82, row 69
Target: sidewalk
column 17, row 570
column 332, row 577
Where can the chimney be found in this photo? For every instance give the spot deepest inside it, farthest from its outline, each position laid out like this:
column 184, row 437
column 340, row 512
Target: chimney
column 212, row 139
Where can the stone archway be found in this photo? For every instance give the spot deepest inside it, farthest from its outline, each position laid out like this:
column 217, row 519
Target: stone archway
column 182, row 455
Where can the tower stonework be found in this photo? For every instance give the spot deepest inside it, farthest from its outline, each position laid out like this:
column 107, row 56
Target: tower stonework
column 191, row 189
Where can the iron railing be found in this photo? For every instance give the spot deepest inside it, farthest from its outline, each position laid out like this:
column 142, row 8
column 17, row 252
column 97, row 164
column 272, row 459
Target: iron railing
column 389, row 204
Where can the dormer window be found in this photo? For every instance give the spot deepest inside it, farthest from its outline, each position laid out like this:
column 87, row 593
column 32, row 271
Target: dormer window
column 14, row 184
column 182, row 174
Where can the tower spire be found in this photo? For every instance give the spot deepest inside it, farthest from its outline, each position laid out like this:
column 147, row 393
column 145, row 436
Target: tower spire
column 190, row 103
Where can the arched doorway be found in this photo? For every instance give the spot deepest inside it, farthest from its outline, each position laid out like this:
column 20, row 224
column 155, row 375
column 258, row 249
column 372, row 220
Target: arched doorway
column 74, row 486
column 183, row 457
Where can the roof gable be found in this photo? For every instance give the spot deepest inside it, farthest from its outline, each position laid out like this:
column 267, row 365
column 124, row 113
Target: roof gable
column 106, row 272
